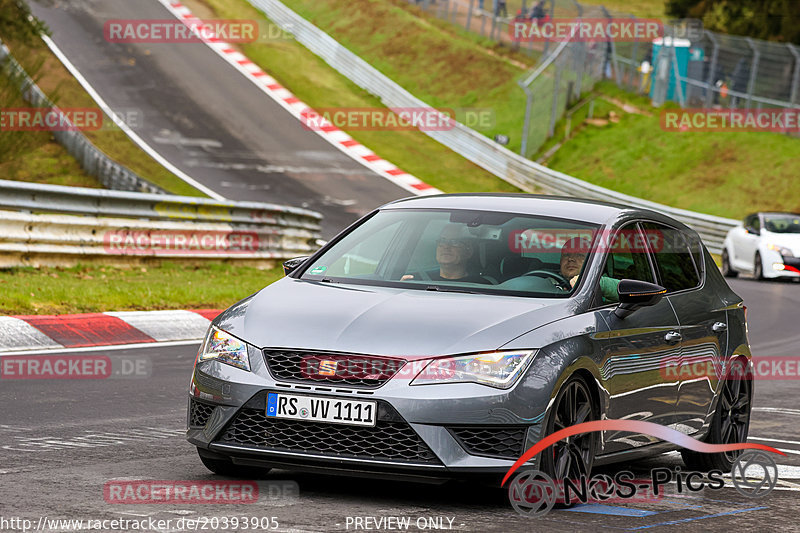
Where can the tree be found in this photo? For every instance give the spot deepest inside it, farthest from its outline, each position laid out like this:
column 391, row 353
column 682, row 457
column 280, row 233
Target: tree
column 773, row 20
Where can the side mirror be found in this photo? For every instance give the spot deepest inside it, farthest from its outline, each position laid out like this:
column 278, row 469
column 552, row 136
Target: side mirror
column 751, row 230
column 291, row 265
column 634, row 294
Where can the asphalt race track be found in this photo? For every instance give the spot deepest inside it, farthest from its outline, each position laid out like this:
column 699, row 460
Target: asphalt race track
column 62, row 440
column 210, row 121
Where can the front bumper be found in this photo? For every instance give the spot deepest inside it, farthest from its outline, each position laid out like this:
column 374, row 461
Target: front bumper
column 432, row 431
column 779, row 266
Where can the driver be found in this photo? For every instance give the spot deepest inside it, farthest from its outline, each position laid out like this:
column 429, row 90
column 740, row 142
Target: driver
column 454, row 248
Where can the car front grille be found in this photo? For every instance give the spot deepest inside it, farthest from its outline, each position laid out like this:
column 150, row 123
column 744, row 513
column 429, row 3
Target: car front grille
column 199, row 413
column 360, row 371
column 392, row 440
column 491, row 441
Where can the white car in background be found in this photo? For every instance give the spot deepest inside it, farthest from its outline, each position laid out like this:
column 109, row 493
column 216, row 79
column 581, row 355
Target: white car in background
column 766, row 245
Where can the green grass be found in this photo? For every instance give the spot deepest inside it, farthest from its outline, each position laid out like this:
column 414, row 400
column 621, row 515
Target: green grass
column 86, row 289
column 318, row 85
column 40, row 159
column 725, row 174
column 639, row 8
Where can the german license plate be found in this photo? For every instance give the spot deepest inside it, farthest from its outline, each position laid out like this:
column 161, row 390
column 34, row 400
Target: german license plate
column 316, row 409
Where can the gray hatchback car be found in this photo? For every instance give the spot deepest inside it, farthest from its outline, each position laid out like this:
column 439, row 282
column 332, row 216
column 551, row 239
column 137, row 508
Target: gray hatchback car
column 442, row 336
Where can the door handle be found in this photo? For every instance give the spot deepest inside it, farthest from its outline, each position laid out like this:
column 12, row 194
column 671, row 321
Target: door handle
column 673, row 337
column 719, row 327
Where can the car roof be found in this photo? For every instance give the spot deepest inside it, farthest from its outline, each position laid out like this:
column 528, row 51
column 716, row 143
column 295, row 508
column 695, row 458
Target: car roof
column 593, row 211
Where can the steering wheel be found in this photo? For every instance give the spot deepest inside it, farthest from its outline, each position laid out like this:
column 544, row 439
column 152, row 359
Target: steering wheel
column 547, row 274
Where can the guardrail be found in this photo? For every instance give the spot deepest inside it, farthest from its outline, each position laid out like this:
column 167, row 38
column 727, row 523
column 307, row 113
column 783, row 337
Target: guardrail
column 110, row 173
column 484, row 152
column 40, row 224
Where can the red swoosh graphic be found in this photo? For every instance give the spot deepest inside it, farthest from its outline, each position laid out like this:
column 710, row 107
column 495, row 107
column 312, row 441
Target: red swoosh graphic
column 633, row 426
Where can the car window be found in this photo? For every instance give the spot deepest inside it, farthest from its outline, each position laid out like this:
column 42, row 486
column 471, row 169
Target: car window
column 756, row 223
column 365, row 256
column 480, row 251
column 626, row 259
column 782, row 223
column 673, row 257
column 629, row 261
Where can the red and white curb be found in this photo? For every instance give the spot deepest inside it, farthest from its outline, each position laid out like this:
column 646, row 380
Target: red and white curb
column 296, row 107
column 52, row 332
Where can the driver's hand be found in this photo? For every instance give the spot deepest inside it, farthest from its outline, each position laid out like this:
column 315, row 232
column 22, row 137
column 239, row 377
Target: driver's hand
column 407, row 276
column 573, row 280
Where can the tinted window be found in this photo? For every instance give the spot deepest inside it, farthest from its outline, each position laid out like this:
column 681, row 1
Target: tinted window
column 673, row 256
column 478, row 251
column 782, row 223
column 627, row 259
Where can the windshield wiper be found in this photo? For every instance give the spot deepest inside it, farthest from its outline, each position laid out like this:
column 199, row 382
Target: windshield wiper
column 439, row 288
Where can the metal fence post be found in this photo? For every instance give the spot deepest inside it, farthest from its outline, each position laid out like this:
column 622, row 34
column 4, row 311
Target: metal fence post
column 751, row 84
column 710, row 81
column 469, row 14
column 527, row 123
column 554, row 111
column 796, row 75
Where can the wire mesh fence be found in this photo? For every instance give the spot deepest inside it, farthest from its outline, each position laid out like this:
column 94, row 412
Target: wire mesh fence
column 686, row 64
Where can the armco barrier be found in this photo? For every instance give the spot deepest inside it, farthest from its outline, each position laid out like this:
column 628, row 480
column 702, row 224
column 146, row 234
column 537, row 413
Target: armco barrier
column 57, row 225
column 93, row 161
column 481, row 150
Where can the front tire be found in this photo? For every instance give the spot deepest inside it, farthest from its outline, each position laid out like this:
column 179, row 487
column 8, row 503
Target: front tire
column 727, row 270
column 572, row 457
column 730, row 423
column 758, row 267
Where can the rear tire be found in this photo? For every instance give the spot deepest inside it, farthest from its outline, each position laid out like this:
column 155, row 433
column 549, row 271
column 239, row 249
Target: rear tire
column 225, row 467
column 729, row 425
column 758, row 267
column 727, row 270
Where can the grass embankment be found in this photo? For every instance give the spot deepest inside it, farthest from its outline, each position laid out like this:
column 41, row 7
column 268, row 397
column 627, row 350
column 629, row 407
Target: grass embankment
column 36, row 156
column 720, row 173
column 86, row 289
column 318, row 85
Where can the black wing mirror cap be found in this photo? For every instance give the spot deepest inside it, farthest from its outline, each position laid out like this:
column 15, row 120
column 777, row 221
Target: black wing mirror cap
column 291, row 265
column 634, row 294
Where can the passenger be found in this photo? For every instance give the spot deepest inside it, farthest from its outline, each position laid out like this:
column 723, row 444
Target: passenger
column 454, row 248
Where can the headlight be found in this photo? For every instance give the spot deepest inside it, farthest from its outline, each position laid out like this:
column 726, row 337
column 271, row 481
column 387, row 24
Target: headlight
column 225, row 348
column 496, row 369
column 781, row 250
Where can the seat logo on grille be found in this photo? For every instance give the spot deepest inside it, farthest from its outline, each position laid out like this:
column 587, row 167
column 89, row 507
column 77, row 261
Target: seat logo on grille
column 327, row 368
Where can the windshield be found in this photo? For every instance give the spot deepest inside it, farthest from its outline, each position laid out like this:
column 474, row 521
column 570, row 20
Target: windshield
column 782, row 223
column 462, row 251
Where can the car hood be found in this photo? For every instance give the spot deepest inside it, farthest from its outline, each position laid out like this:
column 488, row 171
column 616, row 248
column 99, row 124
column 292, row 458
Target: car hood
column 360, row 319
column 789, row 240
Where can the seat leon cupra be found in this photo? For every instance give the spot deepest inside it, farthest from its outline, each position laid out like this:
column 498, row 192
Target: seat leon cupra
column 442, row 336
